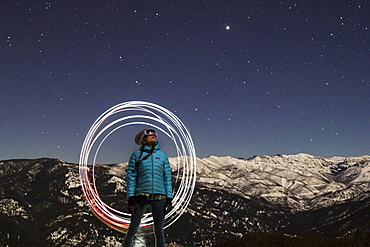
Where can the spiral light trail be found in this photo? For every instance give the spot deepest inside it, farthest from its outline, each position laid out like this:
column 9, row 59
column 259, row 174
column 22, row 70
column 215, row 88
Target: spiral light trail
column 164, row 121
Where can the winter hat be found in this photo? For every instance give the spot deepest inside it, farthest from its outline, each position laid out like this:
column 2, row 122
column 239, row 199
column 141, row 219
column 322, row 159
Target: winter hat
column 139, row 138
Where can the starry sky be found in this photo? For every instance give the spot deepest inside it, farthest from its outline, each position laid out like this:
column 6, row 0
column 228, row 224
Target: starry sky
column 246, row 77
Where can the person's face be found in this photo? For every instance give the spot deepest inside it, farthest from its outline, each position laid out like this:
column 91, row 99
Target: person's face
column 151, row 138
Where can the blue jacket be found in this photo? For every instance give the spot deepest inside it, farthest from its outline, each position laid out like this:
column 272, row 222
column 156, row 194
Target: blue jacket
column 152, row 176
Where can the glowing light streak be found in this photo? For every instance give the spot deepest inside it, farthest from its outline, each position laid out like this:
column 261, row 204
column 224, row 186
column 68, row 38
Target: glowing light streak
column 164, row 121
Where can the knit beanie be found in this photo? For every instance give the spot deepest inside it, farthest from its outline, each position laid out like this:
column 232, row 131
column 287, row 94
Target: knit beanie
column 139, row 138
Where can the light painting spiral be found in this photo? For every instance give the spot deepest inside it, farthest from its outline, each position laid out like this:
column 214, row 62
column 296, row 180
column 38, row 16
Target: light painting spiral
column 154, row 116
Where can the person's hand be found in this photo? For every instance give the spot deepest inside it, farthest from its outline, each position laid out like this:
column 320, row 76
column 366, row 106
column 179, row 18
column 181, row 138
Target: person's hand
column 131, row 205
column 168, row 206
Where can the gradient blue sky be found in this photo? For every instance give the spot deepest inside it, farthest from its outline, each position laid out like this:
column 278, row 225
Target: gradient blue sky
column 247, row 77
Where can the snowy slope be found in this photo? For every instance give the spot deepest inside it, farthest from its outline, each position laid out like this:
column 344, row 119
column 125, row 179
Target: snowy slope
column 300, row 182
column 41, row 202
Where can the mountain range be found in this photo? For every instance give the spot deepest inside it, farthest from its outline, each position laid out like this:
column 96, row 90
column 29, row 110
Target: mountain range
column 41, row 202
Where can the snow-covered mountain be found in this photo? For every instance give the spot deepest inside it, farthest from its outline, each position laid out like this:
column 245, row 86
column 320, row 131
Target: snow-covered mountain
column 299, row 182
column 41, row 203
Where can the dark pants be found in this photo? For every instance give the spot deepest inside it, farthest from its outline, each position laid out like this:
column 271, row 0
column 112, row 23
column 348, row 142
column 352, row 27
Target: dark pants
column 141, row 203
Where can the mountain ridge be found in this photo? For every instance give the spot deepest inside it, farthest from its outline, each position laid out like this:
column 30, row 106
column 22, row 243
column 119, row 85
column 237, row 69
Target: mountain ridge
column 41, row 200
column 301, row 176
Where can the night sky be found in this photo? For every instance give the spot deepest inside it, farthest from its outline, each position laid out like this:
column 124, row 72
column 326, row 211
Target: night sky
column 247, row 77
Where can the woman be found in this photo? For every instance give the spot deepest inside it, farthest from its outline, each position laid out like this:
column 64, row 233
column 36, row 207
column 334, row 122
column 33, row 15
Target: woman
column 148, row 183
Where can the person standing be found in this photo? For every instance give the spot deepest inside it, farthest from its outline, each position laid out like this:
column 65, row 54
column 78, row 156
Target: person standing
column 149, row 183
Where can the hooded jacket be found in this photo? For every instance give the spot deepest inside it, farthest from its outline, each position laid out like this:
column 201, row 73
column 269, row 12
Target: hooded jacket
column 152, row 176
